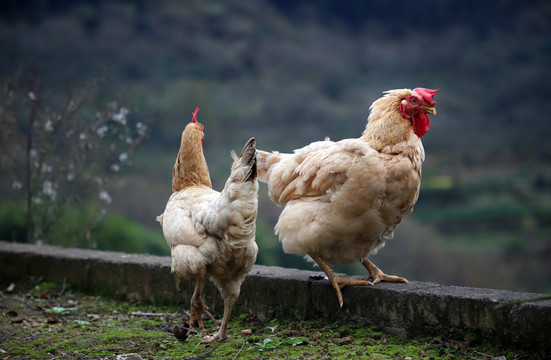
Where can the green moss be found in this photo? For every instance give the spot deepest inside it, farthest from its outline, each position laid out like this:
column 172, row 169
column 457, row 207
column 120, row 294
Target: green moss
column 98, row 327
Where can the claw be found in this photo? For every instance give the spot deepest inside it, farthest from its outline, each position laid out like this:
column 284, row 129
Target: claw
column 212, row 338
column 336, row 281
column 376, row 275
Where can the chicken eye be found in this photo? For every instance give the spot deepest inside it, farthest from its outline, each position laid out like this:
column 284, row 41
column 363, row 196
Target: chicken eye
column 414, row 101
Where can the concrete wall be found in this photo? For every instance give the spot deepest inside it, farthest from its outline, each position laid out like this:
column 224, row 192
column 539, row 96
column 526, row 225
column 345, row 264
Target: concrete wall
column 268, row 292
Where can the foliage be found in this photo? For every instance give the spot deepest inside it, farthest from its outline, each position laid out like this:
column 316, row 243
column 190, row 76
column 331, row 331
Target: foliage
column 314, row 67
column 13, row 225
column 59, row 150
column 265, row 345
column 292, row 72
column 113, row 232
column 118, row 233
column 517, row 202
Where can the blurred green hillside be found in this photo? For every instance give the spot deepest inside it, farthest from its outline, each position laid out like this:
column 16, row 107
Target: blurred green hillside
column 293, row 72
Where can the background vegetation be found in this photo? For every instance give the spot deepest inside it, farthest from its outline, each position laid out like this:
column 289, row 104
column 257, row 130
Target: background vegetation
column 292, row 72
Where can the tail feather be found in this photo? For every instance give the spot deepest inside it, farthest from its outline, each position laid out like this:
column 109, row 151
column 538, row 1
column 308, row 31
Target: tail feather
column 238, row 201
column 247, row 161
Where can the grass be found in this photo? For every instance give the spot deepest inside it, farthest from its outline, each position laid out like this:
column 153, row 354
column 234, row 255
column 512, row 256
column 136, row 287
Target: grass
column 49, row 321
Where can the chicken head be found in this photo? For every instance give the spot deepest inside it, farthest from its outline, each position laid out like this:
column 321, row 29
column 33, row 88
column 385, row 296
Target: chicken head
column 416, row 106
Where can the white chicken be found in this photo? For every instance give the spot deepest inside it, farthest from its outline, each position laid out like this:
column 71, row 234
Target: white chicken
column 344, row 199
column 211, row 233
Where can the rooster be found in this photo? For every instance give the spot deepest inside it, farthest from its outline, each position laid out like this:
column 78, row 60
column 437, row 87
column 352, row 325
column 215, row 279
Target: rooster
column 211, row 233
column 342, row 200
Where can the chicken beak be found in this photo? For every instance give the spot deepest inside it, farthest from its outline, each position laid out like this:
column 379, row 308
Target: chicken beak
column 429, row 110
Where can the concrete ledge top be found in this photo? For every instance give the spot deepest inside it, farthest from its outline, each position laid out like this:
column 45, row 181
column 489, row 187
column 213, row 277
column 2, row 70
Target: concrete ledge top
column 416, row 307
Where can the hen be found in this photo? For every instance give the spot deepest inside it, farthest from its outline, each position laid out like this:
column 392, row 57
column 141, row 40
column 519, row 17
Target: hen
column 344, row 199
column 211, row 233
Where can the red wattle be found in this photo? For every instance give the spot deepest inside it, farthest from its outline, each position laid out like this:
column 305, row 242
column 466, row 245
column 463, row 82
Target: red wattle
column 421, row 123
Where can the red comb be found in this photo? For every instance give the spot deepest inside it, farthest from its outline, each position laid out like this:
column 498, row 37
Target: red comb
column 194, row 120
column 427, row 94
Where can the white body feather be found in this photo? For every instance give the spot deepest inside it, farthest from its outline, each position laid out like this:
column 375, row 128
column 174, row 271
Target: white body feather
column 344, row 199
column 212, row 233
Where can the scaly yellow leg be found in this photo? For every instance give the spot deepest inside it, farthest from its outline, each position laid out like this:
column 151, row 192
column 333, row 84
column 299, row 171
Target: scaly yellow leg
column 376, row 275
column 222, row 332
column 198, row 308
column 336, row 281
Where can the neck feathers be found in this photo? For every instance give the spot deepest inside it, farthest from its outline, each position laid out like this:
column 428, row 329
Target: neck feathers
column 190, row 168
column 385, row 125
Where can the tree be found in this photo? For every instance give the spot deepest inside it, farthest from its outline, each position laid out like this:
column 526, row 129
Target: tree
column 60, row 150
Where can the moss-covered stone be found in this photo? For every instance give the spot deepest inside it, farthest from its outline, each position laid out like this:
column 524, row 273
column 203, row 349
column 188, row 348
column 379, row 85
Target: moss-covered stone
column 92, row 327
column 271, row 292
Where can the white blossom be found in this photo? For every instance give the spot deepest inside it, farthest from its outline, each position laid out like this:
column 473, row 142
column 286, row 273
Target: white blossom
column 102, row 130
column 123, row 157
column 120, row 117
column 82, row 136
column 104, row 195
column 70, row 177
column 32, row 153
column 48, row 189
column 31, row 95
column 141, row 128
column 46, row 168
column 115, row 167
column 48, row 127
column 16, row 185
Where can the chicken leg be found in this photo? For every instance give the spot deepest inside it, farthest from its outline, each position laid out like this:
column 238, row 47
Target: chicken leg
column 222, row 332
column 198, row 308
column 376, row 275
column 335, row 280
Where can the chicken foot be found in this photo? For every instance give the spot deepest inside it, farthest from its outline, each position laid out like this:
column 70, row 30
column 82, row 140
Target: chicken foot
column 336, row 281
column 376, row 275
column 198, row 308
column 222, row 332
